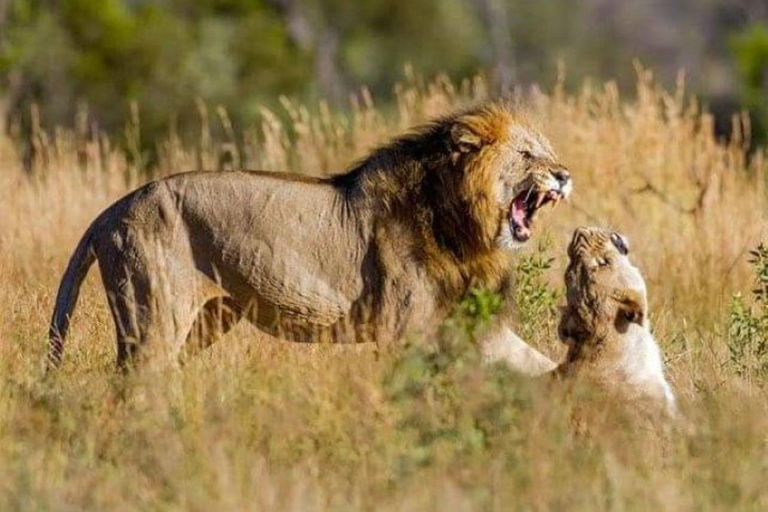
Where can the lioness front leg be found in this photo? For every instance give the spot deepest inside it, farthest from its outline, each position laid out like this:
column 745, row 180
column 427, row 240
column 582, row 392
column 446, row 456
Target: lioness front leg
column 501, row 344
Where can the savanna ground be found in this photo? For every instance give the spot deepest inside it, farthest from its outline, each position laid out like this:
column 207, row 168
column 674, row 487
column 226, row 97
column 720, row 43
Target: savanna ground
column 254, row 424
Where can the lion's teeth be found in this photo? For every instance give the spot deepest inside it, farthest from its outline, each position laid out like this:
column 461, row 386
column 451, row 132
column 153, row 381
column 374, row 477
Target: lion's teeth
column 540, row 200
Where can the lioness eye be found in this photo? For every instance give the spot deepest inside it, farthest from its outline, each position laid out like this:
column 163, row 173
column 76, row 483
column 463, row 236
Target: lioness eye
column 601, row 262
column 526, row 154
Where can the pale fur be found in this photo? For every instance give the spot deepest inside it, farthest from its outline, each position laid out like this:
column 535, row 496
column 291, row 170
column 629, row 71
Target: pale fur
column 502, row 344
column 606, row 323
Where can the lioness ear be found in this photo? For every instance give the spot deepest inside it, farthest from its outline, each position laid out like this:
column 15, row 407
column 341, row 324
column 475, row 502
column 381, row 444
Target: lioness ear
column 464, row 139
column 631, row 307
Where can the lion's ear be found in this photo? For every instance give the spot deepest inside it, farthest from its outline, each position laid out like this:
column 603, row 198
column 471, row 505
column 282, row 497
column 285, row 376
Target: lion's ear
column 632, row 308
column 464, row 139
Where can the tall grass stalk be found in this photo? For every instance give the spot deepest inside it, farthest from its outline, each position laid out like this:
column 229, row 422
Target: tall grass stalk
column 253, row 424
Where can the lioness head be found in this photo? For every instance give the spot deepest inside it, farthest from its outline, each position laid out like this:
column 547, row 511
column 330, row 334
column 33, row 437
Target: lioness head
column 605, row 291
column 605, row 324
column 524, row 172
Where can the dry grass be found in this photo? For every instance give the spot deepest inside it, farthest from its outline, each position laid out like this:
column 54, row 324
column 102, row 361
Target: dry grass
column 257, row 425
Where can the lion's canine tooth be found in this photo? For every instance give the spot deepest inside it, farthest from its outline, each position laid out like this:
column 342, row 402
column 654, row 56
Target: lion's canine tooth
column 540, row 199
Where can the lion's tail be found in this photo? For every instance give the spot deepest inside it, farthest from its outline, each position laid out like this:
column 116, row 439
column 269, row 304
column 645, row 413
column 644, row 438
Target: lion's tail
column 66, row 298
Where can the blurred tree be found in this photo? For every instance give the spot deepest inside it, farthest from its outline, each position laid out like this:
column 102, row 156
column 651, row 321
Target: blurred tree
column 317, row 35
column 381, row 36
column 494, row 16
column 165, row 54
column 751, row 52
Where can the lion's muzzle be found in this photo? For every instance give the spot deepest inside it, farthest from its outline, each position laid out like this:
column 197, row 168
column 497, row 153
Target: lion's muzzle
column 528, row 202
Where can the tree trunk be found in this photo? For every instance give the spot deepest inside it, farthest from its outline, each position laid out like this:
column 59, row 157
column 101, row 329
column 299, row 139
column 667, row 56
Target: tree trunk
column 495, row 18
column 321, row 40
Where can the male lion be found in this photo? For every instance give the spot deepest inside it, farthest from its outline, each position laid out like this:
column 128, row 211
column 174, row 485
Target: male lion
column 380, row 251
column 605, row 322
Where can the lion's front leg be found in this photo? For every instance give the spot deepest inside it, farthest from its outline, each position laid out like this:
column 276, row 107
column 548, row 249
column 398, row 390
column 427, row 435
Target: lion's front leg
column 500, row 344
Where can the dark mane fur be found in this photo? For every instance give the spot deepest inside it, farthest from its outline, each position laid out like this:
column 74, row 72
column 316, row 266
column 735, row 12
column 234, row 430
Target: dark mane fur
column 440, row 195
column 396, row 158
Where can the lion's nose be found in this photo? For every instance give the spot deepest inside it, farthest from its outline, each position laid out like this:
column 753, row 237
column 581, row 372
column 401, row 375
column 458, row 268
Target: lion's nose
column 562, row 176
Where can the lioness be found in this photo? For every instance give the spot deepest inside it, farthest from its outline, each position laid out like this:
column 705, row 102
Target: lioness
column 605, row 323
column 379, row 251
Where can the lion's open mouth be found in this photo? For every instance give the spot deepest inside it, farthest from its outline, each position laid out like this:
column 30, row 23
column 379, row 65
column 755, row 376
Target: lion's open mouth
column 524, row 208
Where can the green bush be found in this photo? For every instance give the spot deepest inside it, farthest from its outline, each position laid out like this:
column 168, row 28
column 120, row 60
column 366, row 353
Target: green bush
column 535, row 298
column 452, row 406
column 750, row 49
column 748, row 330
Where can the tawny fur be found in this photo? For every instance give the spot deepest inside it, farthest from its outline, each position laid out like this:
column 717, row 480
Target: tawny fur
column 382, row 250
column 606, row 325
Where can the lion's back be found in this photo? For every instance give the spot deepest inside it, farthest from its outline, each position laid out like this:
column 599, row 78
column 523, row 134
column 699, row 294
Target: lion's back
column 290, row 242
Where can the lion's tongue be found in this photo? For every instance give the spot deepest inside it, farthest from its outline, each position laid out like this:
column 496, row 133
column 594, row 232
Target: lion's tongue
column 519, row 218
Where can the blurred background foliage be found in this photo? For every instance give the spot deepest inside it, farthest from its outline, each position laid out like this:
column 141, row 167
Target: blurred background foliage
column 99, row 56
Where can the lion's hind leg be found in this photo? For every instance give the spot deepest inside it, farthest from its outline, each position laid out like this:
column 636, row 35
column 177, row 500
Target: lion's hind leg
column 152, row 318
column 216, row 318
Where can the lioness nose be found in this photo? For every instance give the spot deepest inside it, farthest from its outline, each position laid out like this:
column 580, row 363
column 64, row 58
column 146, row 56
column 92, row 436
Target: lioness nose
column 580, row 233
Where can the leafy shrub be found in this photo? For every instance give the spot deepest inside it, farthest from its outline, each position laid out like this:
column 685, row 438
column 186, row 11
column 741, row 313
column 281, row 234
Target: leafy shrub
column 449, row 404
column 475, row 311
column 535, row 298
column 750, row 49
column 748, row 330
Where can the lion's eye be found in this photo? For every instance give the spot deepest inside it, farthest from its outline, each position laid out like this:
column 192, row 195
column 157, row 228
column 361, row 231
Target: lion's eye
column 601, row 262
column 525, row 154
